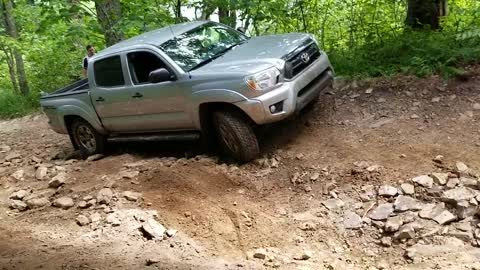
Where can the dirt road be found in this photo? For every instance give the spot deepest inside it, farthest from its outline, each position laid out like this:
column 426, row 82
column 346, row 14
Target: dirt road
column 334, row 190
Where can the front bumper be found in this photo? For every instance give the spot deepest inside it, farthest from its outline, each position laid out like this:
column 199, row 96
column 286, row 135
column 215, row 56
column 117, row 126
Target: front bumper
column 293, row 95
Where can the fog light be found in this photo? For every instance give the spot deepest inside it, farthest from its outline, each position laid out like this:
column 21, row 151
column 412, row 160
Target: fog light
column 276, row 108
column 272, row 109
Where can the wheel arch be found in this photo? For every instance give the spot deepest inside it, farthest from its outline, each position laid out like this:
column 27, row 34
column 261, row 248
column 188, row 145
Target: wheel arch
column 205, row 111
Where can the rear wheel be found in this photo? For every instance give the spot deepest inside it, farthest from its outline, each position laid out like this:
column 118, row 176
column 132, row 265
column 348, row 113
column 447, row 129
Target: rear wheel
column 86, row 138
column 235, row 135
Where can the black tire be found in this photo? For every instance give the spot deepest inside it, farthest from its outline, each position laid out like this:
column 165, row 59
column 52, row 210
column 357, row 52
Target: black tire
column 235, row 135
column 86, row 138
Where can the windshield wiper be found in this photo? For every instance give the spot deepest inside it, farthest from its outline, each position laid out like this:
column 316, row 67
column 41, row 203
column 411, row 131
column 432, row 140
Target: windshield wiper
column 215, row 56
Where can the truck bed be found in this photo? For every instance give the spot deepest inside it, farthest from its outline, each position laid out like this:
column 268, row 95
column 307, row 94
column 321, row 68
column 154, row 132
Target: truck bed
column 74, row 88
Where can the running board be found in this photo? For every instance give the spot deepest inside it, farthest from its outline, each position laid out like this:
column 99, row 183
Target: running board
column 155, row 137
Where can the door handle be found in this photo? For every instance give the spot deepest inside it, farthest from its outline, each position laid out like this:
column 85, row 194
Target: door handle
column 100, row 99
column 137, row 95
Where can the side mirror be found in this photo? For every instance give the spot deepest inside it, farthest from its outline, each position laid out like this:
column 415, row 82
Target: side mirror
column 159, row 75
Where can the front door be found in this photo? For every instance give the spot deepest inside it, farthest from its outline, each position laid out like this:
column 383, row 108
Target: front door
column 111, row 97
column 160, row 106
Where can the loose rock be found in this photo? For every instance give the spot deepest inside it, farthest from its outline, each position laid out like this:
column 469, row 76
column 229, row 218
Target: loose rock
column 382, row 212
column 41, row 173
column 153, row 230
column 458, row 194
column 424, row 181
column 57, row 181
column 12, row 156
column 453, row 182
column 352, row 221
column 386, row 241
column 405, row 203
column 307, row 254
column 462, row 235
column 406, row 232
column 104, row 196
column 19, row 195
column 129, row 174
column 393, row 224
column 132, row 196
column 435, row 191
column 444, row 217
column 82, row 220
column 63, row 202
column 95, row 157
column 18, row 175
column 408, row 189
column 430, row 211
column 315, row 177
column 440, row 178
column 438, row 159
column 260, row 253
column 387, row 191
column 331, row 204
column 465, row 209
column 469, row 182
column 19, row 205
column 82, row 204
column 113, row 220
column 461, row 167
column 308, row 226
column 171, row 232
column 37, row 202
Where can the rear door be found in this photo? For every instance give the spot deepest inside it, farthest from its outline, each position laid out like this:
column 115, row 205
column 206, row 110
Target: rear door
column 160, row 106
column 111, row 94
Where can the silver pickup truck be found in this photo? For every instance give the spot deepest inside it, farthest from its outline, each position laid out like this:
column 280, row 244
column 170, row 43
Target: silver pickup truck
column 196, row 80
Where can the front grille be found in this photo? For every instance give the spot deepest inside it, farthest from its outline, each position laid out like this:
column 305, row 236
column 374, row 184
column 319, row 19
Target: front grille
column 298, row 62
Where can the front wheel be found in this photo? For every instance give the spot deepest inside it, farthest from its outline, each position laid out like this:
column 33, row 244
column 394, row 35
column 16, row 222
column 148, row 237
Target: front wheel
column 236, row 135
column 86, row 138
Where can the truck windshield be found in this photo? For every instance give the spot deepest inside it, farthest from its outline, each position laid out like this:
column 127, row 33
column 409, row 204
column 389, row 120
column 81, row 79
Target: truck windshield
column 201, row 45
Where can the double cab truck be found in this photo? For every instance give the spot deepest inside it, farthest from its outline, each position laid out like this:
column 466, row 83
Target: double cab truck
column 196, row 80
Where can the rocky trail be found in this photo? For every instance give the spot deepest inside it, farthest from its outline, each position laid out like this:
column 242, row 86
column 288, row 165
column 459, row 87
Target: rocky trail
column 380, row 174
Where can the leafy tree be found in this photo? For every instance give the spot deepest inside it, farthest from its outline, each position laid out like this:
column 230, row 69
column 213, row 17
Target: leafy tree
column 109, row 14
column 13, row 55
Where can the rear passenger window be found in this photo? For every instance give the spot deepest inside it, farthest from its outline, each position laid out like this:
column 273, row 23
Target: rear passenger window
column 108, row 72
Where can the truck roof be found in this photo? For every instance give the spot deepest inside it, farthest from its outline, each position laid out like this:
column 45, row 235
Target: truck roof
column 155, row 37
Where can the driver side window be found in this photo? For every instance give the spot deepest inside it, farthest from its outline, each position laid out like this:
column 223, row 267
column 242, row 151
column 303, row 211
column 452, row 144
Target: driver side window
column 140, row 64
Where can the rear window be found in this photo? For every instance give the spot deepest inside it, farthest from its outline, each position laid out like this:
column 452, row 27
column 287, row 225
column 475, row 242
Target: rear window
column 108, row 72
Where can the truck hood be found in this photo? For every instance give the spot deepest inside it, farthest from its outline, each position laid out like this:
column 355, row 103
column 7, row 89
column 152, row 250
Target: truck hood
column 256, row 54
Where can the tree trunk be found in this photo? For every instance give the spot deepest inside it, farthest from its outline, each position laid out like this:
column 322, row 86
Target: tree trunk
column 11, row 67
column 227, row 14
column 109, row 14
column 12, row 31
column 421, row 13
column 207, row 9
column 178, row 10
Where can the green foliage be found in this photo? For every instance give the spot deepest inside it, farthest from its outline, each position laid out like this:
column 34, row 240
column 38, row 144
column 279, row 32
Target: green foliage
column 418, row 53
column 13, row 105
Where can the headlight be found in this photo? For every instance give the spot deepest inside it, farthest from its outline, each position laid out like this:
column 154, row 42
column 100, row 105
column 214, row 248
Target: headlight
column 264, row 80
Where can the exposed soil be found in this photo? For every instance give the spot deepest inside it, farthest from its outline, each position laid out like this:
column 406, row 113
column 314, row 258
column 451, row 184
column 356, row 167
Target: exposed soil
column 224, row 212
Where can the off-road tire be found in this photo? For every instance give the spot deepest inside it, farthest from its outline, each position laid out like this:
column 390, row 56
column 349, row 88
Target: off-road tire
column 86, row 138
column 235, row 135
